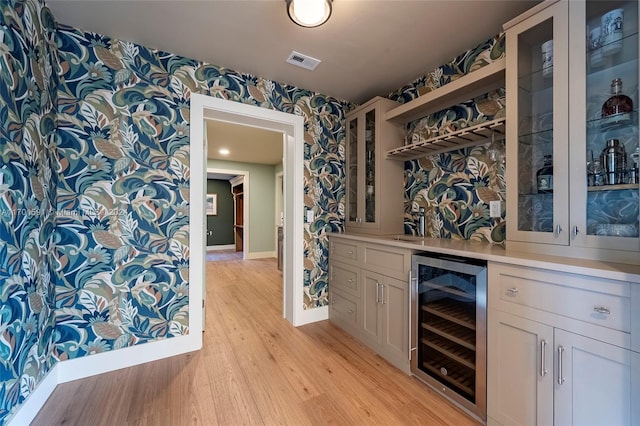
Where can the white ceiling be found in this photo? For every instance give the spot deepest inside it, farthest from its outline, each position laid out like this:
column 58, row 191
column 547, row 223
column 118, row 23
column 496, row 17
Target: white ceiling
column 367, row 48
column 245, row 144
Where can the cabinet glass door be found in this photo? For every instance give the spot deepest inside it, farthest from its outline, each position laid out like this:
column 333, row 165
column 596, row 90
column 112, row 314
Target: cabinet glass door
column 370, row 165
column 537, row 77
column 352, row 172
column 612, row 151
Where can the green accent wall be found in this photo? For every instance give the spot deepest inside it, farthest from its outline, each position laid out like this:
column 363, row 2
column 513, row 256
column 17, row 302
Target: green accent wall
column 222, row 223
column 261, row 203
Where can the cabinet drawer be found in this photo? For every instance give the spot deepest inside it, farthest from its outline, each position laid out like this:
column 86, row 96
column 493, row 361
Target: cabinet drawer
column 344, row 251
column 344, row 278
column 343, row 311
column 388, row 261
column 597, row 301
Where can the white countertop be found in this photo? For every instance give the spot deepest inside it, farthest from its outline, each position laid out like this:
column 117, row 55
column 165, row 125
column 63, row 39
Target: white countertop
column 497, row 253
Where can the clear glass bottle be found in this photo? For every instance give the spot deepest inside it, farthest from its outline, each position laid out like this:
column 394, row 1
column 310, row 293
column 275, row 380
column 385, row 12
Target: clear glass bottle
column 618, row 103
column 544, row 176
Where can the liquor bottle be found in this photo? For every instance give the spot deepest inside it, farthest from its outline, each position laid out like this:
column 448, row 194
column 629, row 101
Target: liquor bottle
column 618, row 103
column 545, row 176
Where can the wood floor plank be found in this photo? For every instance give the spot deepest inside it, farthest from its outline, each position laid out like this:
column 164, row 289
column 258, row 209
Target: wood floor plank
column 254, row 369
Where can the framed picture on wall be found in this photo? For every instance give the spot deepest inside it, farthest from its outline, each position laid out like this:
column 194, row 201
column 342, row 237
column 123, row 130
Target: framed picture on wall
column 211, row 204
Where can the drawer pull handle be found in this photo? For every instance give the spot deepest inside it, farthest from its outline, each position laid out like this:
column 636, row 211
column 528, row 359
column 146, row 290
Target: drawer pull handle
column 350, row 311
column 602, row 310
column 512, row 292
column 350, row 251
column 350, row 280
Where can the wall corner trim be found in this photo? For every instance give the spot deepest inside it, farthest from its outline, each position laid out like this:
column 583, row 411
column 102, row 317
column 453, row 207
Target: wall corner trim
column 79, row 368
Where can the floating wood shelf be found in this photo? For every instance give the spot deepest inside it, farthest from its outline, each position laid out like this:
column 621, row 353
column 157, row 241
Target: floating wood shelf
column 463, row 138
column 613, row 187
column 467, row 87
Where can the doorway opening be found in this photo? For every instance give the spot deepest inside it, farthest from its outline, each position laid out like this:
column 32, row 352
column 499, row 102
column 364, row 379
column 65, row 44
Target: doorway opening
column 292, row 126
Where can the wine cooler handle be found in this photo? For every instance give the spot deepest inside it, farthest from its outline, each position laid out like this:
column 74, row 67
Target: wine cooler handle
column 543, row 350
column 412, row 290
column 560, row 375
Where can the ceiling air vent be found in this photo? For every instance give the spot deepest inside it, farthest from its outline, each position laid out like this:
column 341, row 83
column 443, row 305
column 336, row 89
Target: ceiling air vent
column 303, row 61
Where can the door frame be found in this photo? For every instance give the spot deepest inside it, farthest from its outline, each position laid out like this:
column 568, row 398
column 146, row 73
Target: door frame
column 292, row 126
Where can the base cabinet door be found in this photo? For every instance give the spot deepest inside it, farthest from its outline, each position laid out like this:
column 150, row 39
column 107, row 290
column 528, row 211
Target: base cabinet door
column 596, row 384
column 395, row 329
column 371, row 308
column 520, row 364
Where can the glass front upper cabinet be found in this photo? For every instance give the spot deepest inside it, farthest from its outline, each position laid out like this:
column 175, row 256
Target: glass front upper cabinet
column 609, row 190
column 352, row 172
column 536, row 132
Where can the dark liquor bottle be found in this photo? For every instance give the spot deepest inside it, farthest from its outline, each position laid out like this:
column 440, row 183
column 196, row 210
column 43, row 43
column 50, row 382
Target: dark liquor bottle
column 618, row 103
column 545, row 176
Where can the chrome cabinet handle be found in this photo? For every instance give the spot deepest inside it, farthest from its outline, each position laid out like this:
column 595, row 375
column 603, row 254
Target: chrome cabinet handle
column 377, row 292
column 558, row 230
column 602, row 310
column 350, row 252
column 350, row 311
column 560, row 375
column 543, row 350
column 576, row 231
column 382, row 286
column 512, row 292
column 350, row 280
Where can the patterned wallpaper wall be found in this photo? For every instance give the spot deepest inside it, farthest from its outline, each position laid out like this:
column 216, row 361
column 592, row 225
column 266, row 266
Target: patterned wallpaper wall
column 455, row 187
column 27, row 198
column 122, row 246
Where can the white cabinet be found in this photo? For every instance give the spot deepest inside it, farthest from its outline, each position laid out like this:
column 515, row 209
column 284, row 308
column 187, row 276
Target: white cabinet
column 369, row 296
column 595, row 383
column 385, row 325
column 555, row 113
column 374, row 196
column 559, row 349
column 520, row 363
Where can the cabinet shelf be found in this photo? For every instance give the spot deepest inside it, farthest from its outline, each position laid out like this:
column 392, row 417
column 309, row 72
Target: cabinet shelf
column 458, row 312
column 463, row 380
column 613, row 187
column 462, row 138
column 451, row 350
column 463, row 336
column 467, row 87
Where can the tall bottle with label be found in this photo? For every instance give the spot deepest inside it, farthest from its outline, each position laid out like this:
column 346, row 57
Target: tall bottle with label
column 544, row 176
column 618, row 104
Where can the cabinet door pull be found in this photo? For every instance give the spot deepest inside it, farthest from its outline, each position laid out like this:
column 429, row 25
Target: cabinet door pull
column 377, row 292
column 382, row 287
column 576, row 231
column 560, row 375
column 602, row 310
column 558, row 230
column 350, row 280
column 512, row 292
column 543, row 350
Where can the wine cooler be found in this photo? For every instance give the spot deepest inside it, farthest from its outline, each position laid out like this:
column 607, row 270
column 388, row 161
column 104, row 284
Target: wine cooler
column 448, row 334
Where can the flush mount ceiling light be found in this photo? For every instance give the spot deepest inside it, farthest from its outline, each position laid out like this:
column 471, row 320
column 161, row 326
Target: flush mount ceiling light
column 309, row 13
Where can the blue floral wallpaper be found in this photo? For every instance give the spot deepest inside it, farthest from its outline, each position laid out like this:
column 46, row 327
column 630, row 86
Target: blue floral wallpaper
column 27, row 198
column 123, row 233
column 455, row 188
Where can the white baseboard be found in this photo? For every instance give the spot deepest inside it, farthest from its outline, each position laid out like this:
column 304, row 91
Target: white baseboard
column 79, row 368
column 34, row 402
column 222, row 247
column 308, row 316
column 261, row 255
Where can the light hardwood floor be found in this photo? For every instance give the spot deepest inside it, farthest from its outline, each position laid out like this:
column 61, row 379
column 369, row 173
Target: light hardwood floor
column 255, row 368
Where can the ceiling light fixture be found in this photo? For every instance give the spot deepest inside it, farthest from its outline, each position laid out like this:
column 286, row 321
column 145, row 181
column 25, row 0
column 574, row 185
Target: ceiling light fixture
column 224, row 151
column 309, row 13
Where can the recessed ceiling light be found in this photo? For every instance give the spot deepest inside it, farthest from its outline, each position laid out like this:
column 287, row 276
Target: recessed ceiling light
column 224, row 151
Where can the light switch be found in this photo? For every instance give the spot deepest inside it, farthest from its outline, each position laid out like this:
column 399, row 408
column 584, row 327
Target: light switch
column 494, row 208
column 310, row 216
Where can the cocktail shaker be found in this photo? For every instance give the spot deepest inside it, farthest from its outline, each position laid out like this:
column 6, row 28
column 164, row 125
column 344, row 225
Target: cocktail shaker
column 614, row 161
